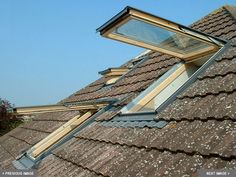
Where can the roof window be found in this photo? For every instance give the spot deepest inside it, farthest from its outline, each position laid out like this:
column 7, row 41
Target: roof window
column 86, row 113
column 113, row 74
column 149, row 31
column 156, row 94
column 53, row 108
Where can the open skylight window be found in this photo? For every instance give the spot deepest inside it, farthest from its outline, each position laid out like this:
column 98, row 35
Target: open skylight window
column 146, row 30
column 86, row 111
column 113, row 74
column 53, row 108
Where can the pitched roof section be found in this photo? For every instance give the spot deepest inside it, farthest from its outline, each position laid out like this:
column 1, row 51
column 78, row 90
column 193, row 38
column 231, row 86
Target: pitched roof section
column 150, row 152
column 181, row 147
column 25, row 136
column 137, row 80
column 62, row 167
column 231, row 9
column 200, row 134
column 220, row 23
column 212, row 96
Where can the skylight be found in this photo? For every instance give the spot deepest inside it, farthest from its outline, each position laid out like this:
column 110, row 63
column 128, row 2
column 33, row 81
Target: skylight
column 114, row 74
column 86, row 113
column 114, row 71
column 146, row 30
column 163, row 88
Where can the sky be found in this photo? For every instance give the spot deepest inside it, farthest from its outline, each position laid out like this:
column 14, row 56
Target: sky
column 50, row 49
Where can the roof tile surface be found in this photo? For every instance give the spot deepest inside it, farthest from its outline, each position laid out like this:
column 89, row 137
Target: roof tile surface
column 137, row 80
column 25, row 136
column 201, row 128
column 213, row 95
column 201, row 122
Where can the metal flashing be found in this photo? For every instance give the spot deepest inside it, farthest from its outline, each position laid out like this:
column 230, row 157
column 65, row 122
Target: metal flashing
column 142, row 54
column 133, row 120
column 23, row 162
column 140, row 57
column 139, row 116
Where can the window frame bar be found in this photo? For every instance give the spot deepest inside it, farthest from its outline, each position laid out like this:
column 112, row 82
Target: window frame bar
column 59, row 133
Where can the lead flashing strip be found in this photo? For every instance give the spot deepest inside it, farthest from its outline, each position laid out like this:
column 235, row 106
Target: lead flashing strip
column 140, row 116
column 138, row 120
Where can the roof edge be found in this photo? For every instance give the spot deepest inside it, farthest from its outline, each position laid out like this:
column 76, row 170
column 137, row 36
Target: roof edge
column 231, row 9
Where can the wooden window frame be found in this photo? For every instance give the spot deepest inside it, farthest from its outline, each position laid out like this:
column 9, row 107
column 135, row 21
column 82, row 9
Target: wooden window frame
column 58, row 134
column 131, row 13
column 55, row 108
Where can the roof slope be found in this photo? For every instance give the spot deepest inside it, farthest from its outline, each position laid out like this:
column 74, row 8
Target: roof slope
column 135, row 81
column 200, row 132
column 138, row 79
column 26, row 135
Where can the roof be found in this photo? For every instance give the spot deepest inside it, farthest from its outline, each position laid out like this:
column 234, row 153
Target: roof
column 26, row 135
column 200, row 130
column 135, row 81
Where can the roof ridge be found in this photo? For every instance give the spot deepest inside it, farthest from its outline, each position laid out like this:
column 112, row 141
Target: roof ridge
column 231, row 9
column 228, row 8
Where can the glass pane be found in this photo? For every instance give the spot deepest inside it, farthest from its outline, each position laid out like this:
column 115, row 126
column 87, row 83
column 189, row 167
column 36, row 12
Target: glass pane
column 159, row 37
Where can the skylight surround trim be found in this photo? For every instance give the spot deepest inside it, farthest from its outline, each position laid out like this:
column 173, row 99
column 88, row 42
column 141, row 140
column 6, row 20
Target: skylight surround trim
column 129, row 13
